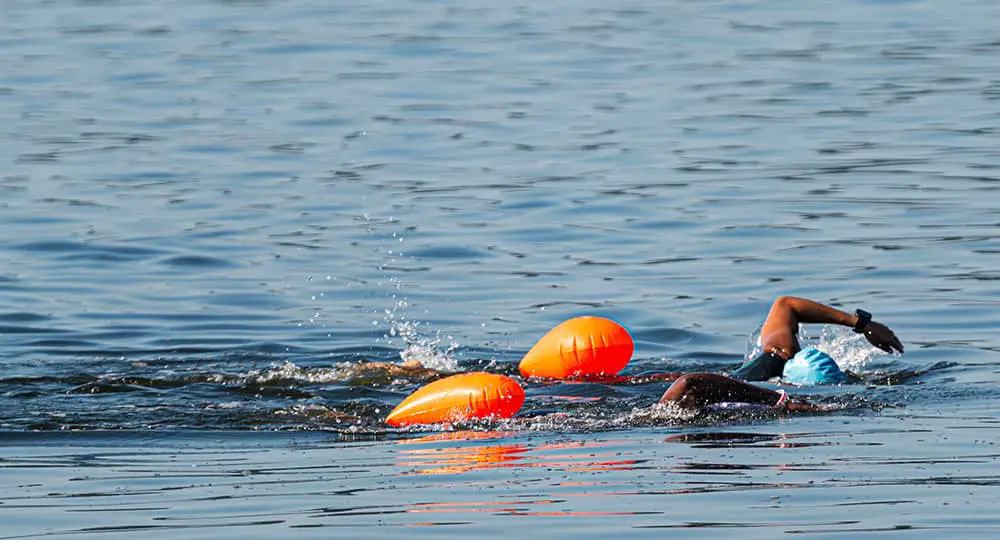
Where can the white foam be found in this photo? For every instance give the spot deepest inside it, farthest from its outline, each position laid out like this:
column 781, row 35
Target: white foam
column 426, row 350
column 288, row 371
column 850, row 350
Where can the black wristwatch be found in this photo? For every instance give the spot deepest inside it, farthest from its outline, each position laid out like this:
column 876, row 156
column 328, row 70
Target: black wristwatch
column 863, row 319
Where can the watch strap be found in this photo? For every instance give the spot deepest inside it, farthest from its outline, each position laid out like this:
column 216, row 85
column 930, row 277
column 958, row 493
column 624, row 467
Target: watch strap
column 863, row 319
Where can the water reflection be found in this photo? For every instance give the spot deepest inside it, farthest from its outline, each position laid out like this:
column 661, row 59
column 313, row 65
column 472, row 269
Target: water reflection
column 729, row 439
column 464, row 458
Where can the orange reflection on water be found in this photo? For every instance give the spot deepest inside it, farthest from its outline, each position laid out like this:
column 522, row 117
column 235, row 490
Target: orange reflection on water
column 458, row 453
column 461, row 459
column 469, row 457
column 465, row 435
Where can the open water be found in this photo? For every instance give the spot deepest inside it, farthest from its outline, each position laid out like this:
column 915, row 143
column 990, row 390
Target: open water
column 214, row 212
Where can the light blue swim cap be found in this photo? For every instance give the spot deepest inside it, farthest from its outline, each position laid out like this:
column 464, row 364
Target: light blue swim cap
column 812, row 366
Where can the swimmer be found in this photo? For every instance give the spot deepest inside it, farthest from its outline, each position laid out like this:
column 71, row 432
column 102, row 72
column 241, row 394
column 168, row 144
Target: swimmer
column 412, row 369
column 779, row 345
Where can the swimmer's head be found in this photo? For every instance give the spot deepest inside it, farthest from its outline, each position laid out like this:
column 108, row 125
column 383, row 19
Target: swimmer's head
column 812, row 366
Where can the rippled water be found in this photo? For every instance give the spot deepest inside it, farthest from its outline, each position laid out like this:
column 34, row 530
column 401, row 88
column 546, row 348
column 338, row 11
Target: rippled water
column 217, row 212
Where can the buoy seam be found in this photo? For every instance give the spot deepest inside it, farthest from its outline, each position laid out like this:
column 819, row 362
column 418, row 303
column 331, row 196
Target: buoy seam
column 593, row 348
column 576, row 355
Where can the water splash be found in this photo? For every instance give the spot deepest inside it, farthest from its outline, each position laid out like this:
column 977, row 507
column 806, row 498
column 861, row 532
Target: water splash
column 850, row 350
column 752, row 348
column 658, row 414
column 426, row 350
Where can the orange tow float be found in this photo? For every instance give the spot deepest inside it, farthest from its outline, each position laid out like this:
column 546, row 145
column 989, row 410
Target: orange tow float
column 580, row 347
column 460, row 397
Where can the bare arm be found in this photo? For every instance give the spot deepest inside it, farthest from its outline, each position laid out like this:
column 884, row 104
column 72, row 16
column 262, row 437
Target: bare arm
column 782, row 325
column 695, row 390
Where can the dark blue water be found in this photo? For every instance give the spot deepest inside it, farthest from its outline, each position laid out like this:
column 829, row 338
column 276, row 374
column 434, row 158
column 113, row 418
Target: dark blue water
column 216, row 214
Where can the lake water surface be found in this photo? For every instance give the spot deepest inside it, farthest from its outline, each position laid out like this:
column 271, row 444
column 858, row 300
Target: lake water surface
column 215, row 211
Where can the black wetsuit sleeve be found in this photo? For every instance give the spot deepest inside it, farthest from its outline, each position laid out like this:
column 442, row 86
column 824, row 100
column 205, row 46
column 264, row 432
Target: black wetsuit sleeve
column 763, row 367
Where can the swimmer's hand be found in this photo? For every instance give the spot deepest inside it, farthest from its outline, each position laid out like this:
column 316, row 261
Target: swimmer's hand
column 806, row 407
column 882, row 337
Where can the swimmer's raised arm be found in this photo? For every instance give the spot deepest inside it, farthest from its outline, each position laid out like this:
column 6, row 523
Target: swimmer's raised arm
column 782, row 325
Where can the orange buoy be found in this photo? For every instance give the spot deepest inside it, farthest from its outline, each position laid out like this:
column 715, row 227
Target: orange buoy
column 580, row 347
column 460, row 397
